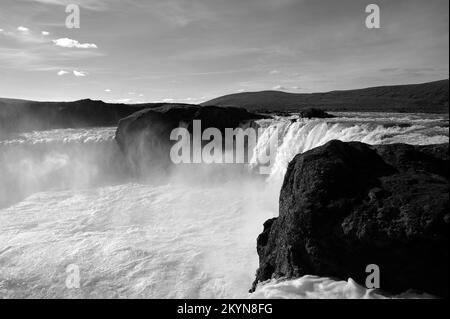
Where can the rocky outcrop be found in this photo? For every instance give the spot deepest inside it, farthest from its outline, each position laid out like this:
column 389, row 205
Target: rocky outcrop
column 145, row 136
column 344, row 206
column 315, row 113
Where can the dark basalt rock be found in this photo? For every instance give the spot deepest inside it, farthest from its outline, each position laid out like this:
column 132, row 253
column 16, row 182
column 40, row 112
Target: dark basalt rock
column 344, row 206
column 223, row 117
column 145, row 136
column 315, row 113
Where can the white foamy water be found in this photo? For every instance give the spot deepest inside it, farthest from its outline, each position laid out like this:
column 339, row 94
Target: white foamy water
column 131, row 240
column 313, row 287
column 298, row 135
column 67, row 199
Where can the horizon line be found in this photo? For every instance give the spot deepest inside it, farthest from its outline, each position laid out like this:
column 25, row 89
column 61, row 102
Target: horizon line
column 229, row 94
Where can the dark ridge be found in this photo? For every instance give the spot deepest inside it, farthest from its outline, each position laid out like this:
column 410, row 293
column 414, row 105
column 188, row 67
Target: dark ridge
column 21, row 115
column 429, row 97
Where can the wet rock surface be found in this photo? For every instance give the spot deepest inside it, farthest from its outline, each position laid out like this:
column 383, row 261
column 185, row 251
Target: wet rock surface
column 344, row 206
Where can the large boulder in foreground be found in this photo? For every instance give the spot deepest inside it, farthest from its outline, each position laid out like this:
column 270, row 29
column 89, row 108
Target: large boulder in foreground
column 344, row 206
column 145, row 135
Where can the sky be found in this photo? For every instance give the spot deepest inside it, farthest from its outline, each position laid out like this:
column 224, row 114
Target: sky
column 190, row 51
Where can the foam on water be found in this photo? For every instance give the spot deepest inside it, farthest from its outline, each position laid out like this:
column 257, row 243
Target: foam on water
column 131, row 240
column 65, row 198
column 313, row 287
column 298, row 135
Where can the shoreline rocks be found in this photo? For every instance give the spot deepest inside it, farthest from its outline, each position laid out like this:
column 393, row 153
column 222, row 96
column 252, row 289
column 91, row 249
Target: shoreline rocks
column 344, row 206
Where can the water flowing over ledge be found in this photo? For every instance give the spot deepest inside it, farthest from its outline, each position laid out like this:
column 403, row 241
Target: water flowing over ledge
column 185, row 238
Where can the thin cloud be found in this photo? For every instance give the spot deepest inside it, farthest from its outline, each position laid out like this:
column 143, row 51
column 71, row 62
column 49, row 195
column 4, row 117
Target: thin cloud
column 182, row 13
column 75, row 73
column 79, row 73
column 278, row 88
column 70, row 43
column 122, row 101
column 23, row 29
column 86, row 4
column 24, row 35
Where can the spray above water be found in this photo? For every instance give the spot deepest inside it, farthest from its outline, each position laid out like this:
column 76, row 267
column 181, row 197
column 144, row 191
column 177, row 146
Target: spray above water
column 58, row 160
column 69, row 197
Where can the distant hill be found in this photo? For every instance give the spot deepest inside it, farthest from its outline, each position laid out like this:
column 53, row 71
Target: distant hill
column 22, row 115
column 429, row 97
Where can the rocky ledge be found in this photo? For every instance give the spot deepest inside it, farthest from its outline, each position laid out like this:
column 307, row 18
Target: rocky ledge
column 145, row 135
column 315, row 113
column 344, row 206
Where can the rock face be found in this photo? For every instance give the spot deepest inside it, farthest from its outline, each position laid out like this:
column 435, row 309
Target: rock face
column 315, row 113
column 344, row 206
column 145, row 136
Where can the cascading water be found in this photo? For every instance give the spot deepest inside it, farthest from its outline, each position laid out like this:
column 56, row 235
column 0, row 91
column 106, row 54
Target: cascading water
column 297, row 136
column 67, row 198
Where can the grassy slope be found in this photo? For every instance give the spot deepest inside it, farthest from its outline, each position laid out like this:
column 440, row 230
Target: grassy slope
column 429, row 97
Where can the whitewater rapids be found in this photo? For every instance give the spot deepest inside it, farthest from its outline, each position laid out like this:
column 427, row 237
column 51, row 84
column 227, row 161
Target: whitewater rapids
column 67, row 198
